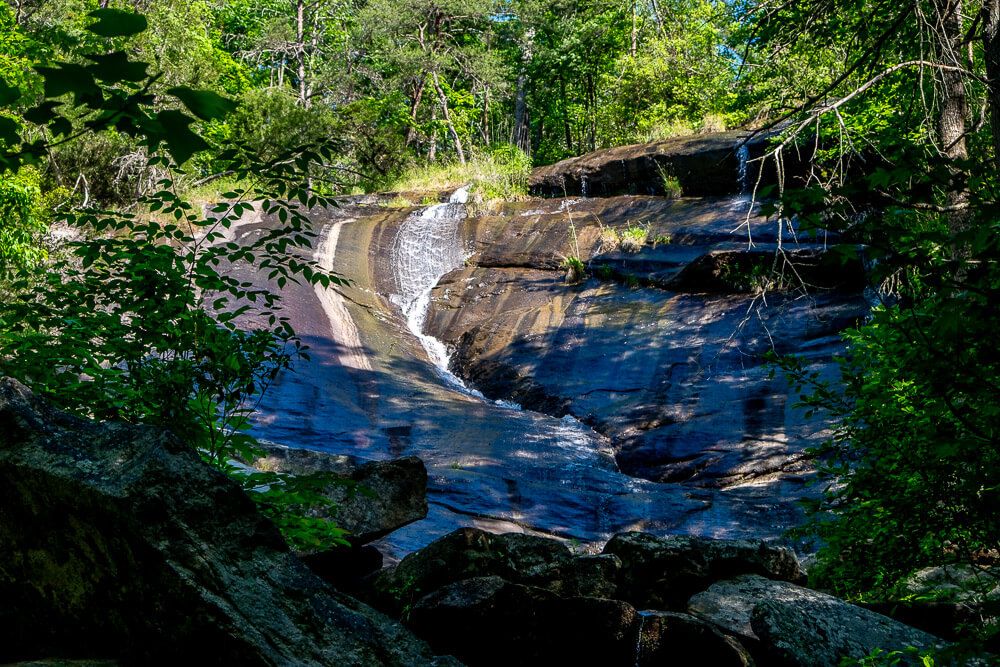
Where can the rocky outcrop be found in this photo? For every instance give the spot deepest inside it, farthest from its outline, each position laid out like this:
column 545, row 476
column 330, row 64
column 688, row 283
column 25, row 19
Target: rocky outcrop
column 704, row 165
column 661, row 350
column 663, row 572
column 817, row 630
column 788, row 625
column 371, row 499
column 504, row 599
column 471, row 553
column 118, row 542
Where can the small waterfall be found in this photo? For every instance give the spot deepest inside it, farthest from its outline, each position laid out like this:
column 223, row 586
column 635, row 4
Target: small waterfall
column 427, row 248
column 743, row 174
column 638, row 640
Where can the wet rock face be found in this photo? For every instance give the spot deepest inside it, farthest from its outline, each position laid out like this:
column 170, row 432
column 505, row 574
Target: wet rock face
column 119, row 542
column 705, row 165
column 662, row 350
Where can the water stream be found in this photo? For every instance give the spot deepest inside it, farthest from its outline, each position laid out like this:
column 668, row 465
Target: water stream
column 427, row 248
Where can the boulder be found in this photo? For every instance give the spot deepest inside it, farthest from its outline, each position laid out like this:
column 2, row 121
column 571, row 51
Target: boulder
column 785, row 624
column 467, row 553
column 117, row 541
column 372, row 499
column 672, row 638
column 729, row 604
column 663, row 572
column 817, row 630
column 596, row 575
column 490, row 621
column 703, row 164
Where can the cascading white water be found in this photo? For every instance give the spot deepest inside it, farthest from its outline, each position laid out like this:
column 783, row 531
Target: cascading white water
column 743, row 155
column 427, row 248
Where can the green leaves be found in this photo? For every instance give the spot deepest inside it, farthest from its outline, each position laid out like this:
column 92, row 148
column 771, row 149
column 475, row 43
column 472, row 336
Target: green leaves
column 204, row 104
column 116, row 67
column 117, row 23
column 174, row 128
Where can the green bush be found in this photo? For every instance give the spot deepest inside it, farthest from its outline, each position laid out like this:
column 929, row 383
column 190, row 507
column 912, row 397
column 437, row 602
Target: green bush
column 22, row 220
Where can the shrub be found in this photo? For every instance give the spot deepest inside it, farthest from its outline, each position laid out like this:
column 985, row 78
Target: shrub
column 575, row 270
column 671, row 185
column 610, row 239
column 634, row 237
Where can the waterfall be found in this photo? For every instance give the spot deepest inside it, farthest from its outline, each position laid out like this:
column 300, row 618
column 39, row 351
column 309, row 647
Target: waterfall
column 427, row 247
column 743, row 175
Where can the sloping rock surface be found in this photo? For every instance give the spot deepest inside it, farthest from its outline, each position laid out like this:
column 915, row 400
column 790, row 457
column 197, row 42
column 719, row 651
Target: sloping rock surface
column 117, row 542
column 670, row 365
column 705, row 165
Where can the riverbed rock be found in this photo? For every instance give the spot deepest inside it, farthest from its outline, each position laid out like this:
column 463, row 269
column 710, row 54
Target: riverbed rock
column 705, row 164
column 471, row 553
column 490, row 621
column 663, row 572
column 117, row 541
column 672, row 638
column 816, row 630
column 785, row 624
column 372, row 498
column 663, row 351
column 729, row 604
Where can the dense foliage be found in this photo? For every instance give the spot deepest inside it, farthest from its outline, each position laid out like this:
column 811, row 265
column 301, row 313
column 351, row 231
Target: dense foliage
column 905, row 131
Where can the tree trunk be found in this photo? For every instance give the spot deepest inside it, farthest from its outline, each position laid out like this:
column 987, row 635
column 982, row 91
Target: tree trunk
column 522, row 133
column 487, row 139
column 635, row 29
column 411, row 132
column 300, row 49
column 565, row 110
column 447, row 118
column 954, row 104
column 991, row 49
column 432, row 152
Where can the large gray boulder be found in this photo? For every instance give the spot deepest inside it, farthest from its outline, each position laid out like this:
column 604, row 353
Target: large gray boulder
column 118, row 542
column 470, row 553
column 663, row 572
column 372, row 499
column 788, row 625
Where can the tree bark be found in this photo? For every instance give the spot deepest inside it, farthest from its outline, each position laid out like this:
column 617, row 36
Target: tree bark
column 487, row 139
column 954, row 104
column 432, row 151
column 447, row 118
column 411, row 132
column 635, row 29
column 565, row 114
column 300, row 49
column 991, row 50
column 522, row 133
